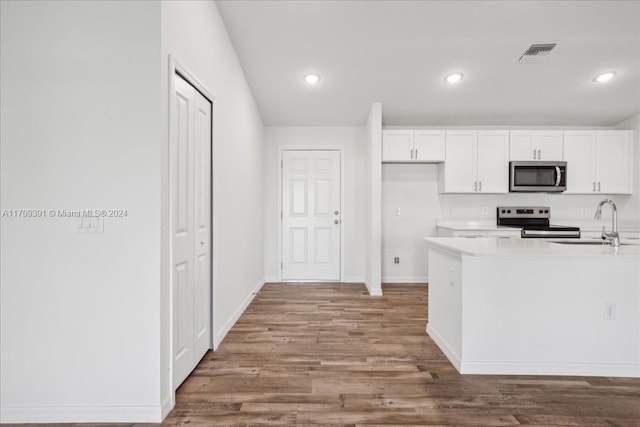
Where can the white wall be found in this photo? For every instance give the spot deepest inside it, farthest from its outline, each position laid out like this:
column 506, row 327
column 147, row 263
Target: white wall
column 413, row 189
column 194, row 33
column 352, row 141
column 85, row 317
column 80, row 313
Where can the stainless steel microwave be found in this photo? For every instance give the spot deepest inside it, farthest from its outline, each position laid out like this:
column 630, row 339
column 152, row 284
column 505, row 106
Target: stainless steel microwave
column 539, row 177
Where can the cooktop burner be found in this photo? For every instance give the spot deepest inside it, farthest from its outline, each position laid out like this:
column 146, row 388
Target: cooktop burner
column 534, row 221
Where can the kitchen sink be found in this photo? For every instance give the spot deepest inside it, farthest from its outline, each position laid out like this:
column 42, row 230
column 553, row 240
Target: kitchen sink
column 587, row 242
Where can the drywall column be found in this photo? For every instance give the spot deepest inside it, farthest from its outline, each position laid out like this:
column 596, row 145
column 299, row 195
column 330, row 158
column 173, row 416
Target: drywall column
column 373, row 170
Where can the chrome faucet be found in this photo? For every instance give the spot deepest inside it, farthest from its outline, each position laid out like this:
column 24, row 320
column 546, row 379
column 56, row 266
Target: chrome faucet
column 612, row 238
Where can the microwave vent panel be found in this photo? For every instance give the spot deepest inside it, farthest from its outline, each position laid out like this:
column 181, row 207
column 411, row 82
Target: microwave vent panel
column 536, row 52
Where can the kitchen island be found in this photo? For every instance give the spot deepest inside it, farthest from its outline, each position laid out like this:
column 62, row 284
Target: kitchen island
column 529, row 306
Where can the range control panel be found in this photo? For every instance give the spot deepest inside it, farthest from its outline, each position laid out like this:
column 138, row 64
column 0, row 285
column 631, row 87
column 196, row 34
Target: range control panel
column 523, row 212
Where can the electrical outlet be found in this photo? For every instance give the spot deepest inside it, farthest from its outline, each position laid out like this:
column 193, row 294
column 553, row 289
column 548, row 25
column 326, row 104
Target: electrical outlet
column 610, row 311
column 396, row 260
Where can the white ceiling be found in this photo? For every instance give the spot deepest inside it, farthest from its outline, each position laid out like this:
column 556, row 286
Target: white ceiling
column 398, row 53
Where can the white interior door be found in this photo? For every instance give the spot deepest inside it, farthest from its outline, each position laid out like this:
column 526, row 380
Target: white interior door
column 190, row 227
column 311, row 215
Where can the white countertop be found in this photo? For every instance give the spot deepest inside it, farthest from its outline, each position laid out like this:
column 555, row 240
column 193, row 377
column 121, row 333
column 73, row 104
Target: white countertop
column 494, row 247
column 584, row 224
column 596, row 225
column 471, row 225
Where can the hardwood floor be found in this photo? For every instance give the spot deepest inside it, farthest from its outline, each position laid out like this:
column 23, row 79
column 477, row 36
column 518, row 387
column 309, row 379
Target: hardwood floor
column 331, row 354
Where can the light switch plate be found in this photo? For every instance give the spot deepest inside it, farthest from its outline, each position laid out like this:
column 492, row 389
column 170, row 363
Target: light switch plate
column 89, row 224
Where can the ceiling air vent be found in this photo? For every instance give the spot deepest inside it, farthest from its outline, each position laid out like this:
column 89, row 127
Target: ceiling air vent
column 536, row 52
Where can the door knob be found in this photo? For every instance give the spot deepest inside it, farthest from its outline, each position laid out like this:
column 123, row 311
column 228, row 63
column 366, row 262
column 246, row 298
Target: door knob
column 202, row 243
column 335, row 212
column 337, row 221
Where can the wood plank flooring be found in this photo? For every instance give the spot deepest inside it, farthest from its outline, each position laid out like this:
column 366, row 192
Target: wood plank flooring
column 330, row 354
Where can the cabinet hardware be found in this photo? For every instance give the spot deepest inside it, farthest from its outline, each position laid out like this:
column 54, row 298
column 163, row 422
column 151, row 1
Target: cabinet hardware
column 337, row 221
column 479, row 185
column 335, row 212
column 594, row 186
column 475, row 185
column 534, row 154
column 598, row 186
column 539, row 154
column 416, row 154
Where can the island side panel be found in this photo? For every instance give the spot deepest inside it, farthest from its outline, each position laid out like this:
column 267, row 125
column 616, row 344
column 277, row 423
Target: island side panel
column 546, row 315
column 444, row 324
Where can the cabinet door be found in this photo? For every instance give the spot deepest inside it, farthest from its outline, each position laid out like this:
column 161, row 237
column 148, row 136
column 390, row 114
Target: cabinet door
column 548, row 145
column 493, row 161
column 460, row 164
column 429, row 145
column 613, row 155
column 578, row 152
column 521, row 145
column 505, row 234
column 469, row 234
column 397, row 145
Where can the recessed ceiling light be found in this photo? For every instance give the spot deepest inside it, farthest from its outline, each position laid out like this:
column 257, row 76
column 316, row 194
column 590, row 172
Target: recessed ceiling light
column 311, row 79
column 604, row 77
column 453, row 78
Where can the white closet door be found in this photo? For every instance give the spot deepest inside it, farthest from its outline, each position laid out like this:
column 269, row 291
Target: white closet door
column 191, row 215
column 311, row 215
column 202, row 223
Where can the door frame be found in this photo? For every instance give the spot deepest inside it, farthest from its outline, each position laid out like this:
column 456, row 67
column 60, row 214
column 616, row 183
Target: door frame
column 176, row 68
column 281, row 150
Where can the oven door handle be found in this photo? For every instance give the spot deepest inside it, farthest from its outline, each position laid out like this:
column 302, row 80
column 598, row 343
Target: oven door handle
column 559, row 176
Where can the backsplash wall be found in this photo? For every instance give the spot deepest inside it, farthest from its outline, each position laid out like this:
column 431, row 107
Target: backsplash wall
column 413, row 188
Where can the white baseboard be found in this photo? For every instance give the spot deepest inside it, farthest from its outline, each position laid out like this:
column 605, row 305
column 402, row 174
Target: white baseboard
column 166, row 406
column 348, row 279
column 505, row 367
column 374, row 292
column 236, row 314
column 551, row 368
column 404, row 279
column 451, row 354
column 81, row 414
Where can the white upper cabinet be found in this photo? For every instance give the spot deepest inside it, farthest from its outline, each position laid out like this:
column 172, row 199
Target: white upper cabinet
column 460, row 167
column 535, row 145
column 397, row 145
column 476, row 162
column 413, row 146
column 598, row 162
column 493, row 161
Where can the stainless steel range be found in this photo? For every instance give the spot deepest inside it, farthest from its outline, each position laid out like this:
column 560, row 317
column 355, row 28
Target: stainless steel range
column 534, row 221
